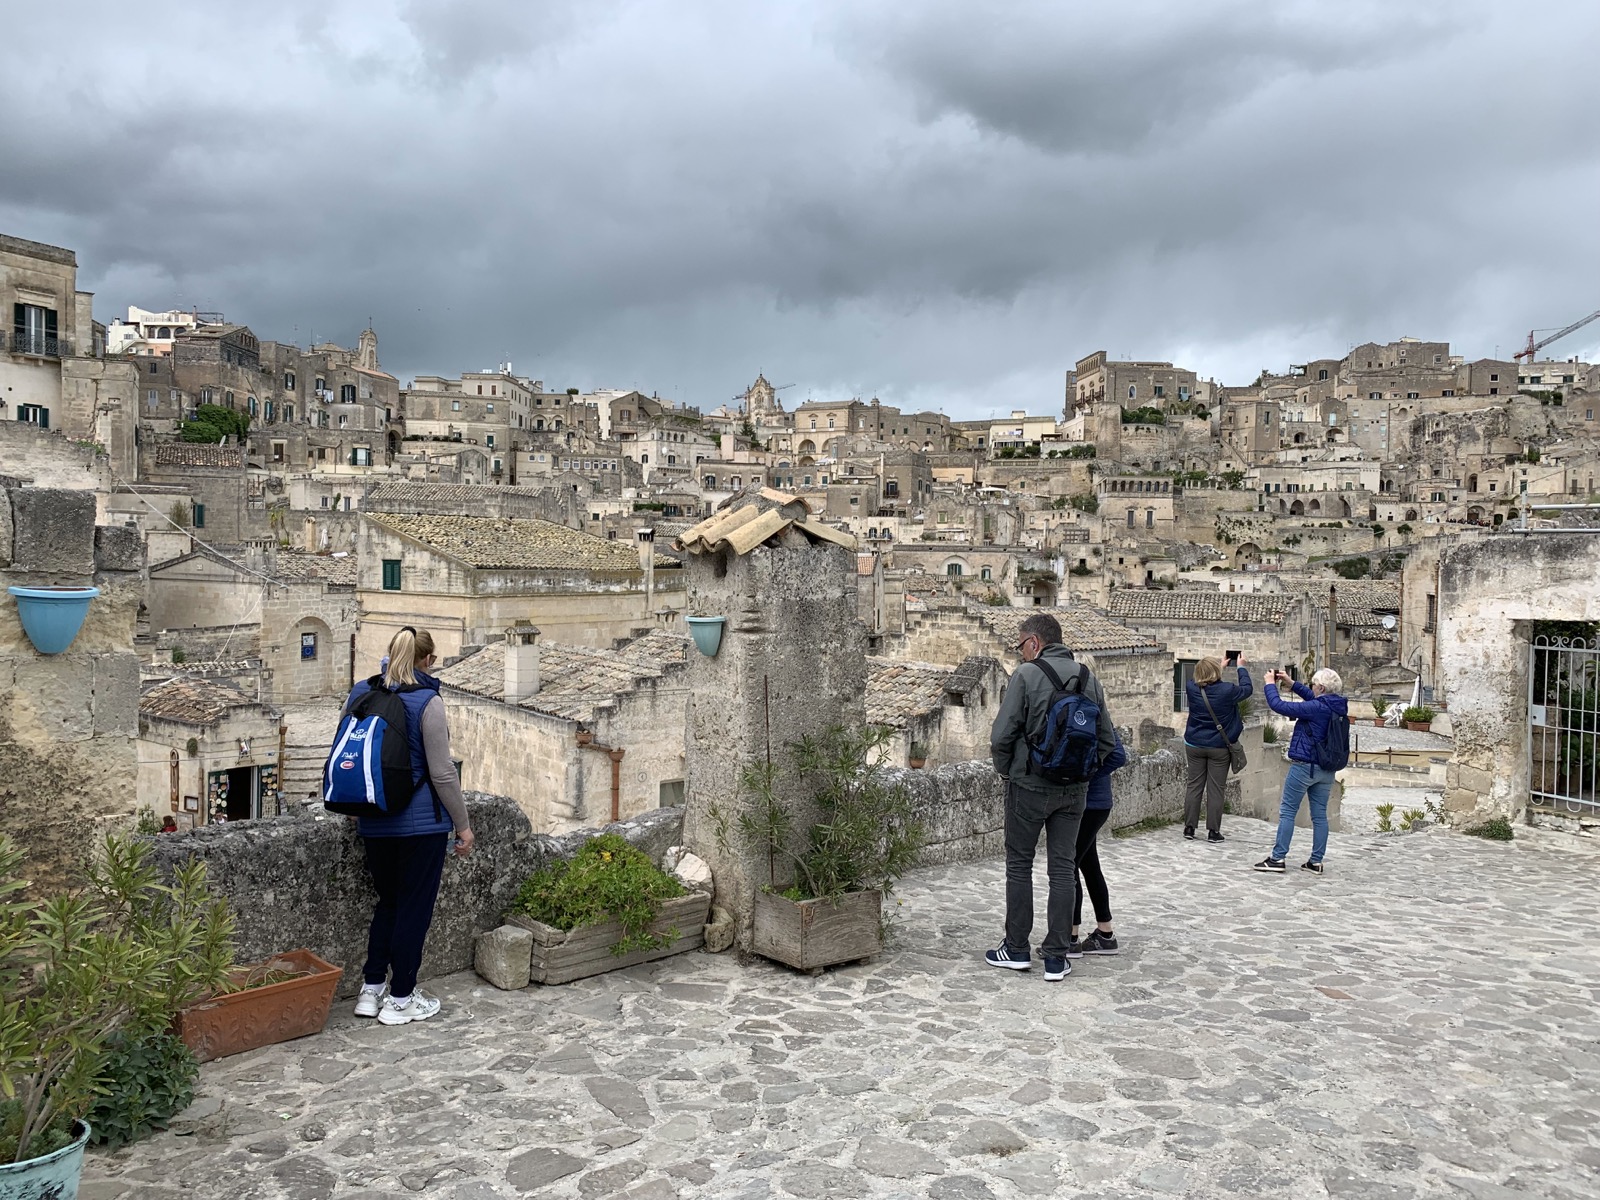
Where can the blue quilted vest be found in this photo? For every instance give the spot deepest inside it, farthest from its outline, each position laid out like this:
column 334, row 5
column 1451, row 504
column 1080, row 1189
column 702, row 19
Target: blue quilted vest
column 424, row 815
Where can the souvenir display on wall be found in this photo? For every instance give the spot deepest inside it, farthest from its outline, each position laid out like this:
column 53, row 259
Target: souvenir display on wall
column 217, row 798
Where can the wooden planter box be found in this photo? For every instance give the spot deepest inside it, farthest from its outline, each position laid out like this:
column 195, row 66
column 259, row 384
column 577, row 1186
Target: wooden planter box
column 256, row 1017
column 561, row 957
column 1418, row 726
column 810, row 934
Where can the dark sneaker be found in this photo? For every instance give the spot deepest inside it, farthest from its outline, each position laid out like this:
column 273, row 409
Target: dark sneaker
column 1056, row 968
column 1314, row 867
column 1188, row 832
column 1275, row 865
column 1004, row 956
column 1215, row 835
column 1100, row 943
column 1074, row 948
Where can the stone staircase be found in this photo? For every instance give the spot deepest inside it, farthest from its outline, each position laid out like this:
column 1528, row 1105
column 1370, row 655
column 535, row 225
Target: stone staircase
column 309, row 733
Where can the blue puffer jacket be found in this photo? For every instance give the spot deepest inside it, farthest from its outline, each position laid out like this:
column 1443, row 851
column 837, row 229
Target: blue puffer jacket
column 1100, row 785
column 1311, row 718
column 1201, row 729
column 424, row 815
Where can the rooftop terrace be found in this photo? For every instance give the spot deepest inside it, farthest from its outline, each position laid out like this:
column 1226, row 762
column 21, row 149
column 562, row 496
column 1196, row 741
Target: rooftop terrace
column 1397, row 1028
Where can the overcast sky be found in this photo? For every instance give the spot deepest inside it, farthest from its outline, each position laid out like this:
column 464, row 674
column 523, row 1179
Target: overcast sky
column 942, row 204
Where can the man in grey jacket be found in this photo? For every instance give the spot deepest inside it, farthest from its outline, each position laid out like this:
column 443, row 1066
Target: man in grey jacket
column 1034, row 804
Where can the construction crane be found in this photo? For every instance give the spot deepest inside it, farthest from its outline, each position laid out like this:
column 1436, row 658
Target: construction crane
column 1534, row 347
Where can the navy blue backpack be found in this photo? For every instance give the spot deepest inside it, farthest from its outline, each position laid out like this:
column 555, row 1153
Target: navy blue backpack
column 368, row 772
column 1070, row 751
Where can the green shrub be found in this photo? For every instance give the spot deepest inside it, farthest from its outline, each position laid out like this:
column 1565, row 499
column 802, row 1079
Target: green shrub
column 147, row 1079
column 1496, row 829
column 1385, row 818
column 607, row 880
column 1418, row 712
column 1085, row 502
column 1413, row 818
column 213, row 422
column 1353, row 568
column 1269, row 735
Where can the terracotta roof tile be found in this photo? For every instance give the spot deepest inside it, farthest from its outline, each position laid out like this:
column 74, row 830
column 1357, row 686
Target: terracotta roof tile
column 1132, row 604
column 1082, row 627
column 528, row 544
column 899, row 690
column 195, row 454
column 192, row 700
column 574, row 681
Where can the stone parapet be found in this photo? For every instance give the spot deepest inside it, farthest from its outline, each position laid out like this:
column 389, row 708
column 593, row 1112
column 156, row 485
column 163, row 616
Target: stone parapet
column 301, row 882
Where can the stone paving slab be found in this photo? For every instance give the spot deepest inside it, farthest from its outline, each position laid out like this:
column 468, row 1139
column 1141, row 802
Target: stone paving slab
column 1424, row 1020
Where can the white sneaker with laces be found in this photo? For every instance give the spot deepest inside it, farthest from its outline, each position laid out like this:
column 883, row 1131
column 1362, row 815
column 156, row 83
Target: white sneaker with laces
column 371, row 999
column 415, row 1007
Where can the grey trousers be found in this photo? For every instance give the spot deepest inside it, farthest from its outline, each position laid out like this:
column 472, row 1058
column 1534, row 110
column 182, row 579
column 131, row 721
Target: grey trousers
column 1208, row 774
column 1057, row 813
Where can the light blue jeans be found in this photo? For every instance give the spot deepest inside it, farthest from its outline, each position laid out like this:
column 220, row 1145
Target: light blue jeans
column 1304, row 780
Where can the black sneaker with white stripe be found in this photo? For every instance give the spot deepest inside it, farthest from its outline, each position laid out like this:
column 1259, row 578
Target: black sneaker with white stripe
column 1275, row 866
column 1013, row 960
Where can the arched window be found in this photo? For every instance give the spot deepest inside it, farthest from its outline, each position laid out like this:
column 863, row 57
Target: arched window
column 953, row 570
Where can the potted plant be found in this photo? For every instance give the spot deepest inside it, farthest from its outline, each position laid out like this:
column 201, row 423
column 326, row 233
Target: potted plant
column 1379, row 707
column 286, row 997
column 1418, row 717
column 823, row 901
column 82, row 977
column 52, row 616
column 918, row 756
column 707, row 633
column 609, row 906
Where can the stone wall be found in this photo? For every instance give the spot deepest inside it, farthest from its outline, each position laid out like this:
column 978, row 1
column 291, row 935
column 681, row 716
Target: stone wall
column 301, row 882
column 68, row 722
column 962, row 806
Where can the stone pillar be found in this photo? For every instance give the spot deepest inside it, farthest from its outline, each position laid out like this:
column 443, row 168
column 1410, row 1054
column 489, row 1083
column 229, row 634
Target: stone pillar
column 522, row 663
column 792, row 662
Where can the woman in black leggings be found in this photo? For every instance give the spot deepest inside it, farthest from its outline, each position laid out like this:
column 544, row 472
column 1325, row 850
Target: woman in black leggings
column 1095, row 812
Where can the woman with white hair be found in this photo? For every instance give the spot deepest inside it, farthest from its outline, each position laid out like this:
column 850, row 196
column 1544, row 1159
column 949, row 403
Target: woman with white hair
column 1311, row 765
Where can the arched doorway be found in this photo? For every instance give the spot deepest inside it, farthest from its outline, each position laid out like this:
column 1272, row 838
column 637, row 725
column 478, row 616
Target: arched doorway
column 1297, row 509
column 1247, row 555
column 1314, row 507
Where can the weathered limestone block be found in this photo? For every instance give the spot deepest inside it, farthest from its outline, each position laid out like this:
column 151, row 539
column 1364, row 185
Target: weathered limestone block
column 53, row 531
column 689, row 869
column 504, row 956
column 6, row 530
column 118, row 548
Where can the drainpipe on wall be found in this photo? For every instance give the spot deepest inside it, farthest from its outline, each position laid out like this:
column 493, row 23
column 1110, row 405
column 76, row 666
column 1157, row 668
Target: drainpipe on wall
column 586, row 742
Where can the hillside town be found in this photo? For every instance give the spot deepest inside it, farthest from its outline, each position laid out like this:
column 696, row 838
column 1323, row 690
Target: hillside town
column 285, row 509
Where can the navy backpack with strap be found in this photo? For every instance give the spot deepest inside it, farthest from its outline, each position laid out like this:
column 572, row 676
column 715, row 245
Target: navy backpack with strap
column 1070, row 750
column 368, row 772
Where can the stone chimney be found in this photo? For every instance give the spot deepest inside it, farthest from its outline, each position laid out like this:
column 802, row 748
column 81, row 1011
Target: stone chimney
column 522, row 663
column 647, row 563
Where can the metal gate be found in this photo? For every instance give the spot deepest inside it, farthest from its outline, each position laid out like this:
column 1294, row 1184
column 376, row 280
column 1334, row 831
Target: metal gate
column 1564, row 724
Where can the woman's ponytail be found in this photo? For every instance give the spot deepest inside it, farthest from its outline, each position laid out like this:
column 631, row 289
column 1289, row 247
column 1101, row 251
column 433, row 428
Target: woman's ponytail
column 406, row 649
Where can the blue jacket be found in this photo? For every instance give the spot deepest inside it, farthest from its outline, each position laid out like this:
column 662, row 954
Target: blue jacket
column 1100, row 785
column 1224, row 697
column 1311, row 718
column 424, row 815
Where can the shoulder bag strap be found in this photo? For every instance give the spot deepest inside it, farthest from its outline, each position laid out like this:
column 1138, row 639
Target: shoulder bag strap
column 1226, row 739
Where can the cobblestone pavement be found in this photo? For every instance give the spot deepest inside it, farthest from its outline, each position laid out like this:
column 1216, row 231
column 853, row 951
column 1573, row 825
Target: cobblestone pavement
column 1424, row 1020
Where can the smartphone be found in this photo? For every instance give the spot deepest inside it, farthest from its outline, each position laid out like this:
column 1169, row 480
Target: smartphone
column 1289, row 671
column 1233, row 657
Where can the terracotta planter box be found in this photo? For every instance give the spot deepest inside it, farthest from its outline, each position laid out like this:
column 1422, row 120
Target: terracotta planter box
column 1379, row 722
column 811, row 934
column 1419, row 726
column 561, row 957
column 256, row 1017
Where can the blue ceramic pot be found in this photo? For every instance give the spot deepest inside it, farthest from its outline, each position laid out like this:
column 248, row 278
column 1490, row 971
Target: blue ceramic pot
column 51, row 617
column 707, row 633
column 52, row 1177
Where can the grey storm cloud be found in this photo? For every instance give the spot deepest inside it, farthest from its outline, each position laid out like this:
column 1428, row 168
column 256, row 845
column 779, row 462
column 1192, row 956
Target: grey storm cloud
column 937, row 203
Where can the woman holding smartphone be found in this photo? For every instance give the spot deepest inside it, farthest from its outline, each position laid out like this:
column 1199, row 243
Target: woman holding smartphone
column 1214, row 723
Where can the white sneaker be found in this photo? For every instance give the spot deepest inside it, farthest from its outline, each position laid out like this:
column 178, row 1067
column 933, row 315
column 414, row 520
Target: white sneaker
column 371, row 999
column 415, row 1007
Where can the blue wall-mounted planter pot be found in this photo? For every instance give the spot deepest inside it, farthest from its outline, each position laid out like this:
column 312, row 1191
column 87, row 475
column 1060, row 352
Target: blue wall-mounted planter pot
column 707, row 633
column 52, row 616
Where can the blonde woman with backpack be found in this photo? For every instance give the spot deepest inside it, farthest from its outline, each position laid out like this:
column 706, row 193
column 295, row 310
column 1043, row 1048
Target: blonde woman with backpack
column 406, row 848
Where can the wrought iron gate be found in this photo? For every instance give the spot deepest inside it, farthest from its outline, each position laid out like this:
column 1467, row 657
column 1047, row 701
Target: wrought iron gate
column 1564, row 724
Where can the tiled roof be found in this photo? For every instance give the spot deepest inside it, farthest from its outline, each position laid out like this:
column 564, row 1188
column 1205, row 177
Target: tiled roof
column 1361, row 601
column 574, row 681
column 195, row 454
column 1082, row 627
column 529, row 544
column 751, row 519
column 192, row 700
column 336, row 569
column 1232, row 608
column 899, row 690
column 401, row 491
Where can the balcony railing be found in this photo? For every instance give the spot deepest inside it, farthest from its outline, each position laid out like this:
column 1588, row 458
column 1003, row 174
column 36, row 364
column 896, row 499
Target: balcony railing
column 26, row 341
